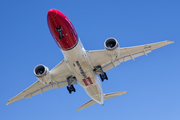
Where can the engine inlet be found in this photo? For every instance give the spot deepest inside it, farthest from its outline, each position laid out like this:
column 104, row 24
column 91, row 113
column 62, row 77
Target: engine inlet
column 111, row 44
column 39, row 70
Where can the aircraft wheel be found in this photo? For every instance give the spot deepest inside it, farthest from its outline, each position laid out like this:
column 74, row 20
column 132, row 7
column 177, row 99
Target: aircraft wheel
column 69, row 90
column 59, row 36
column 72, row 88
column 106, row 76
column 101, row 78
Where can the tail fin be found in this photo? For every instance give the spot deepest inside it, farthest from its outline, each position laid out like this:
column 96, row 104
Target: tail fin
column 106, row 96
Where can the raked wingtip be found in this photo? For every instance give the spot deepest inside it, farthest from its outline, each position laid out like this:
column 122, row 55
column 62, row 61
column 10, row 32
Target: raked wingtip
column 7, row 103
column 169, row 41
column 78, row 109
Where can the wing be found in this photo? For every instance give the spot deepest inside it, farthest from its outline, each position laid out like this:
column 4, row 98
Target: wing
column 102, row 58
column 59, row 75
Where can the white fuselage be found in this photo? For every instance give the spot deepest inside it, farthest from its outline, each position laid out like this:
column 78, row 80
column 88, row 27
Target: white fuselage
column 79, row 64
column 75, row 55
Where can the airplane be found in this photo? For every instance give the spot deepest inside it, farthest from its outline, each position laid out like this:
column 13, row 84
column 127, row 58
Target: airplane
column 80, row 65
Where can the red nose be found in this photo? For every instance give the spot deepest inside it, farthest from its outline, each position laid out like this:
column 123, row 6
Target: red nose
column 61, row 29
column 52, row 13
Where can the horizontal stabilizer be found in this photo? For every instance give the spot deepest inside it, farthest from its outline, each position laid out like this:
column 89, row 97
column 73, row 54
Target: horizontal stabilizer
column 106, row 96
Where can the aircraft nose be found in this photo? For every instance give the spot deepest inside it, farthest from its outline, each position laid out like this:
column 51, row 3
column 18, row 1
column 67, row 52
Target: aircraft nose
column 52, row 13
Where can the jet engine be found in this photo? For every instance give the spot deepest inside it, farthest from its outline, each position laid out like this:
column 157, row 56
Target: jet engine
column 42, row 74
column 112, row 47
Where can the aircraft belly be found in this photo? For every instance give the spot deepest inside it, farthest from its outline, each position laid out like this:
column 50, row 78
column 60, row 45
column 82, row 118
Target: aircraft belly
column 79, row 63
column 84, row 74
column 95, row 91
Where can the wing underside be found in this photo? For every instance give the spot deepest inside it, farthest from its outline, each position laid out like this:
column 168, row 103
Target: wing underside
column 102, row 58
column 59, row 76
column 60, row 73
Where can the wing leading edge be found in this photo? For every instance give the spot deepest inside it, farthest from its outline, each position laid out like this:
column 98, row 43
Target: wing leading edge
column 102, row 58
column 59, row 75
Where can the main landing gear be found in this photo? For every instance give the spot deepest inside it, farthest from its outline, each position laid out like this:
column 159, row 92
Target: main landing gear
column 70, row 86
column 59, row 29
column 103, row 76
column 100, row 72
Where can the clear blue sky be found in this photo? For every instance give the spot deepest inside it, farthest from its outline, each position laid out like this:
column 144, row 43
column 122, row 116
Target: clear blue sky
column 152, row 82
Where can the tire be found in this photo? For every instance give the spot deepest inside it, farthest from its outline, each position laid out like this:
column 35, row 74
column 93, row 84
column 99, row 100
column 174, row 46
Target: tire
column 101, row 78
column 59, row 36
column 73, row 89
column 106, row 76
column 69, row 90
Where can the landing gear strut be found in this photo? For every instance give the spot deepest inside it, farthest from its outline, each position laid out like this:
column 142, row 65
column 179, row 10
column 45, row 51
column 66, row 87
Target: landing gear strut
column 70, row 86
column 59, row 29
column 100, row 72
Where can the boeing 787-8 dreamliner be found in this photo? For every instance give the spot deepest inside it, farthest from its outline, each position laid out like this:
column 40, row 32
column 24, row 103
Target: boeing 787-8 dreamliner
column 80, row 65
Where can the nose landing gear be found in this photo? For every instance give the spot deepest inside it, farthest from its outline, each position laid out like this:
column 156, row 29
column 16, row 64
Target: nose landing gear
column 59, row 29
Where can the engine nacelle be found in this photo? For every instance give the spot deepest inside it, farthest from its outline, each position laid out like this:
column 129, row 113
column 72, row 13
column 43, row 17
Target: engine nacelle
column 112, row 47
column 42, row 74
